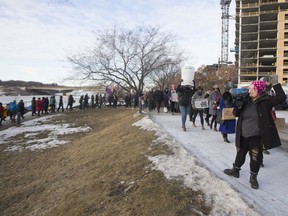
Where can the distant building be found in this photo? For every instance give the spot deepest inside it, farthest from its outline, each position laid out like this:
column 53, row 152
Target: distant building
column 261, row 42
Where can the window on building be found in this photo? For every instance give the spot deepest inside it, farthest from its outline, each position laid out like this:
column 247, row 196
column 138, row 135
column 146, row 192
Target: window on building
column 286, row 25
column 285, row 53
column 285, row 43
column 286, row 35
column 286, row 16
column 285, row 62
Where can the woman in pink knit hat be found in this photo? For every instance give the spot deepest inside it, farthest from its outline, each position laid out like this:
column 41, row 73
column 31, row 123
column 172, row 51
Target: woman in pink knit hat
column 255, row 128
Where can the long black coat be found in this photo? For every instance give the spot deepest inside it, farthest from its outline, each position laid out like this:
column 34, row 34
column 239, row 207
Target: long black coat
column 269, row 134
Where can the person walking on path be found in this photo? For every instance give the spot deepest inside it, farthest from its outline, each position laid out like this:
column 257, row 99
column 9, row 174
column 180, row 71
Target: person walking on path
column 45, row 104
column 184, row 100
column 97, row 100
column 206, row 110
column 1, row 113
column 198, row 96
column 33, row 106
column 70, row 102
column 255, row 128
column 21, row 108
column 39, row 106
column 150, row 97
column 61, row 105
column 92, row 102
column 166, row 100
column 214, row 99
column 52, row 103
column 227, row 126
column 159, row 99
column 13, row 110
column 173, row 99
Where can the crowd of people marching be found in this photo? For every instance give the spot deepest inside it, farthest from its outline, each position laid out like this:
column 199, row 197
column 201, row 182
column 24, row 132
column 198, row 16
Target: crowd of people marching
column 44, row 105
column 183, row 98
column 255, row 130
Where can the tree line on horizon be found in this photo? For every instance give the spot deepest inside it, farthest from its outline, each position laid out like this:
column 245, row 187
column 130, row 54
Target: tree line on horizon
column 24, row 83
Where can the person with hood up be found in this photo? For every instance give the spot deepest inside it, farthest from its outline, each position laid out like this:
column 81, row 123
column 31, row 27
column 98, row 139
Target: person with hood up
column 13, row 109
column 255, row 128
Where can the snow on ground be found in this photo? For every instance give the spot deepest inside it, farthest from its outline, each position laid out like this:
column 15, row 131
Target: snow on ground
column 200, row 158
column 182, row 165
column 29, row 131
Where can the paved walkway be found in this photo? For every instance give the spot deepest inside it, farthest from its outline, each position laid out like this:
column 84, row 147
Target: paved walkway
column 208, row 147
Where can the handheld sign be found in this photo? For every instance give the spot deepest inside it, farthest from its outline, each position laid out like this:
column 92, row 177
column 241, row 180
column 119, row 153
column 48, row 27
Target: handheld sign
column 187, row 75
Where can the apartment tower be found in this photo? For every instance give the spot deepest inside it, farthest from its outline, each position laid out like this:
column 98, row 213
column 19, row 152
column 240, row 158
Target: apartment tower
column 261, row 41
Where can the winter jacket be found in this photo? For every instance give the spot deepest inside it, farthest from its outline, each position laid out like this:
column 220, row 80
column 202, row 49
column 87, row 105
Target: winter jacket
column 159, row 96
column 197, row 95
column 13, row 107
column 166, row 98
column 185, row 94
column 39, row 105
column 173, row 96
column 21, row 107
column 213, row 98
column 268, row 131
column 228, row 126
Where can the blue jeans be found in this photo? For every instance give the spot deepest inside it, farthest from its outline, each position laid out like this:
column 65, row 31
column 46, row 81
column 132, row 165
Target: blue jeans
column 184, row 112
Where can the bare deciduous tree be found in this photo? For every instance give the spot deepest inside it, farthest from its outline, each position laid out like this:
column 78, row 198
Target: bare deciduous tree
column 127, row 57
column 207, row 77
column 169, row 74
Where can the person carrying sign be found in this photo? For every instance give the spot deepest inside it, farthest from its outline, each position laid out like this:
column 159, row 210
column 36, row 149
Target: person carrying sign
column 226, row 126
column 198, row 104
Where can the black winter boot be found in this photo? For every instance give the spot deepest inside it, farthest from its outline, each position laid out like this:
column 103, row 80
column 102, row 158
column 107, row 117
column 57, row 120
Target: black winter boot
column 226, row 140
column 233, row 172
column 225, row 137
column 253, row 181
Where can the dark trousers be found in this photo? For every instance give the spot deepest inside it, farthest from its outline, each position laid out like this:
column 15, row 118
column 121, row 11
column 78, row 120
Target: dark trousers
column 214, row 121
column 60, row 107
column 253, row 146
column 173, row 108
column 158, row 105
column 200, row 111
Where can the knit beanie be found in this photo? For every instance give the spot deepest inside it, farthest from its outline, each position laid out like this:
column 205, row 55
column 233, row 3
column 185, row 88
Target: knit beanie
column 259, row 85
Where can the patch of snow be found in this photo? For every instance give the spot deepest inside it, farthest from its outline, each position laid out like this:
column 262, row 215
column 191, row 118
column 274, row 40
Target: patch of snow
column 32, row 128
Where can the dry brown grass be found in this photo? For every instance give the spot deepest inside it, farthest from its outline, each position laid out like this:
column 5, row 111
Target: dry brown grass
column 103, row 172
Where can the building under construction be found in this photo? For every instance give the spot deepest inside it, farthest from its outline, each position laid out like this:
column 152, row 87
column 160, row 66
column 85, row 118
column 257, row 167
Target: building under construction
column 261, row 39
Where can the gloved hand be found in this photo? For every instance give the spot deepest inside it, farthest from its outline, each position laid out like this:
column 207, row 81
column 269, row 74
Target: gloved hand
column 239, row 104
column 274, row 79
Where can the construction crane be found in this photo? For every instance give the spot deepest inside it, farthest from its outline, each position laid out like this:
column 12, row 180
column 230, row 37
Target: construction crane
column 225, row 4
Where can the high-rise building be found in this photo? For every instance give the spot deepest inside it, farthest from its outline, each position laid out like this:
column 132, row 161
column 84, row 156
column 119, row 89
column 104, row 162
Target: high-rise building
column 261, row 41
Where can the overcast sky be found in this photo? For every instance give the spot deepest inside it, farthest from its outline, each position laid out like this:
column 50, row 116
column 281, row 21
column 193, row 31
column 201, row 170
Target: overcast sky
column 36, row 36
